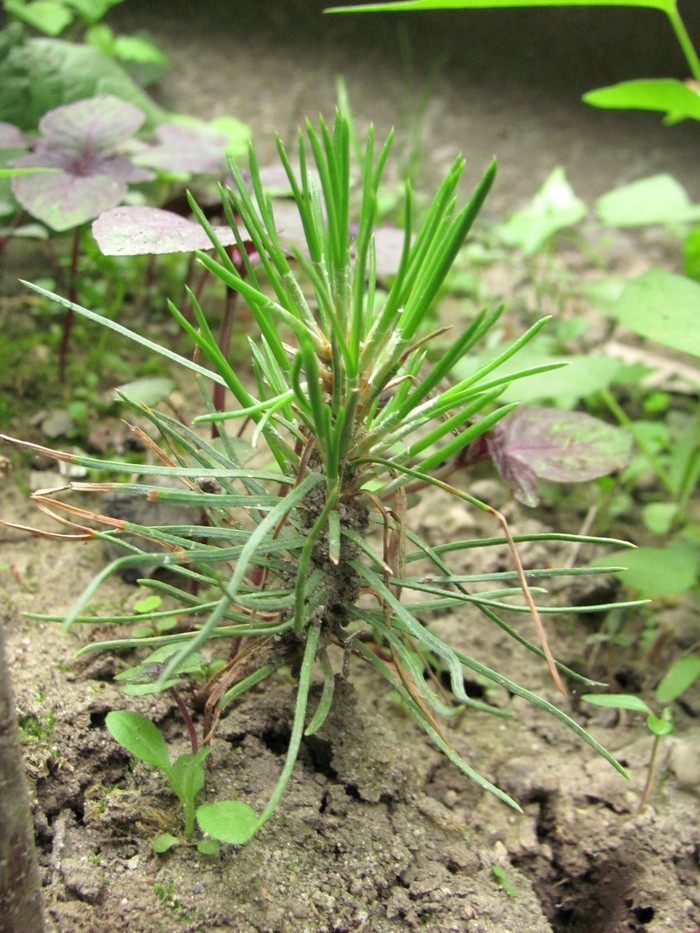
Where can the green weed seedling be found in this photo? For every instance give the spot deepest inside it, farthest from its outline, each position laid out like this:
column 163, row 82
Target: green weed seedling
column 227, row 821
column 680, row 676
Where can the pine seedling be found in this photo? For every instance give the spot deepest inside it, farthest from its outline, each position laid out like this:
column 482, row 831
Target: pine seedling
column 308, row 558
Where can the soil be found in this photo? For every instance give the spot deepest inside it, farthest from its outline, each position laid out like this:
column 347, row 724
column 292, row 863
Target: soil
column 377, row 831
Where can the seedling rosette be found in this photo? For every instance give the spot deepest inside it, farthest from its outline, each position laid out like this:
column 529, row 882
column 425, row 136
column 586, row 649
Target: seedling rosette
column 306, row 557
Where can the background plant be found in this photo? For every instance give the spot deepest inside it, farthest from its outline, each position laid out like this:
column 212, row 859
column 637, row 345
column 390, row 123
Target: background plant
column 678, row 678
column 307, row 553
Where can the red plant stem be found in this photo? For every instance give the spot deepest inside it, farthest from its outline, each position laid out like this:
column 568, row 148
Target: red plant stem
column 16, row 221
column 187, row 309
column 219, row 393
column 69, row 317
column 175, row 694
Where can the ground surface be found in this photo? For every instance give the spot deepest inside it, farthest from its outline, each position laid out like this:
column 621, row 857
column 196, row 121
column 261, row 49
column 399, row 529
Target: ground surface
column 377, row 832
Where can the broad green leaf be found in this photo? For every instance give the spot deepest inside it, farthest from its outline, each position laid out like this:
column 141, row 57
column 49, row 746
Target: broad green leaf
column 618, row 701
column 681, row 675
column 675, row 99
column 659, row 571
column 663, row 307
column 228, row 821
column 659, row 199
column 139, row 736
column 164, row 842
column 554, row 207
column 658, row 516
column 582, row 376
column 40, row 74
column 46, row 16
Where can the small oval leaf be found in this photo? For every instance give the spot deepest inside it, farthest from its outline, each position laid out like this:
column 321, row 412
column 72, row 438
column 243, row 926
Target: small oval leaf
column 164, row 841
column 139, row 736
column 228, row 821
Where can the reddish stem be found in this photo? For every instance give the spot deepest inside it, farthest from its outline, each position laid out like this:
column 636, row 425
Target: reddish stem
column 69, row 317
column 175, row 694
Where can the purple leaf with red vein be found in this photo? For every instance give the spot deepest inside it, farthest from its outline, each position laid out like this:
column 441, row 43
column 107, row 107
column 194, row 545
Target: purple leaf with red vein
column 562, row 446
column 81, row 140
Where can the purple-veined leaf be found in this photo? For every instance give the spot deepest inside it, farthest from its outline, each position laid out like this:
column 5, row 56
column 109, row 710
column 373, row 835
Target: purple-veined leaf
column 562, row 446
column 96, row 123
column 11, row 137
column 80, row 139
column 64, row 201
column 197, row 149
column 141, row 231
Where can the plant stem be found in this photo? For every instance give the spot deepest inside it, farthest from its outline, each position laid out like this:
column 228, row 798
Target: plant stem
column 70, row 313
column 219, row 391
column 182, row 706
column 651, row 769
column 627, row 423
column 691, row 56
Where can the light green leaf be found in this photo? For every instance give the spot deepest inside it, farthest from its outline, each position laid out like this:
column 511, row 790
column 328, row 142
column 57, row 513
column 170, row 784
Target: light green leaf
column 675, row 99
column 148, row 603
column 662, row 307
column 681, row 675
column 148, row 391
column 139, row 49
column 139, row 736
column 618, row 701
column 583, row 375
column 164, row 842
column 659, row 199
column 659, row 571
column 553, row 208
column 228, row 821
column 660, row 725
column 658, row 516
column 208, row 846
column 46, row 16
